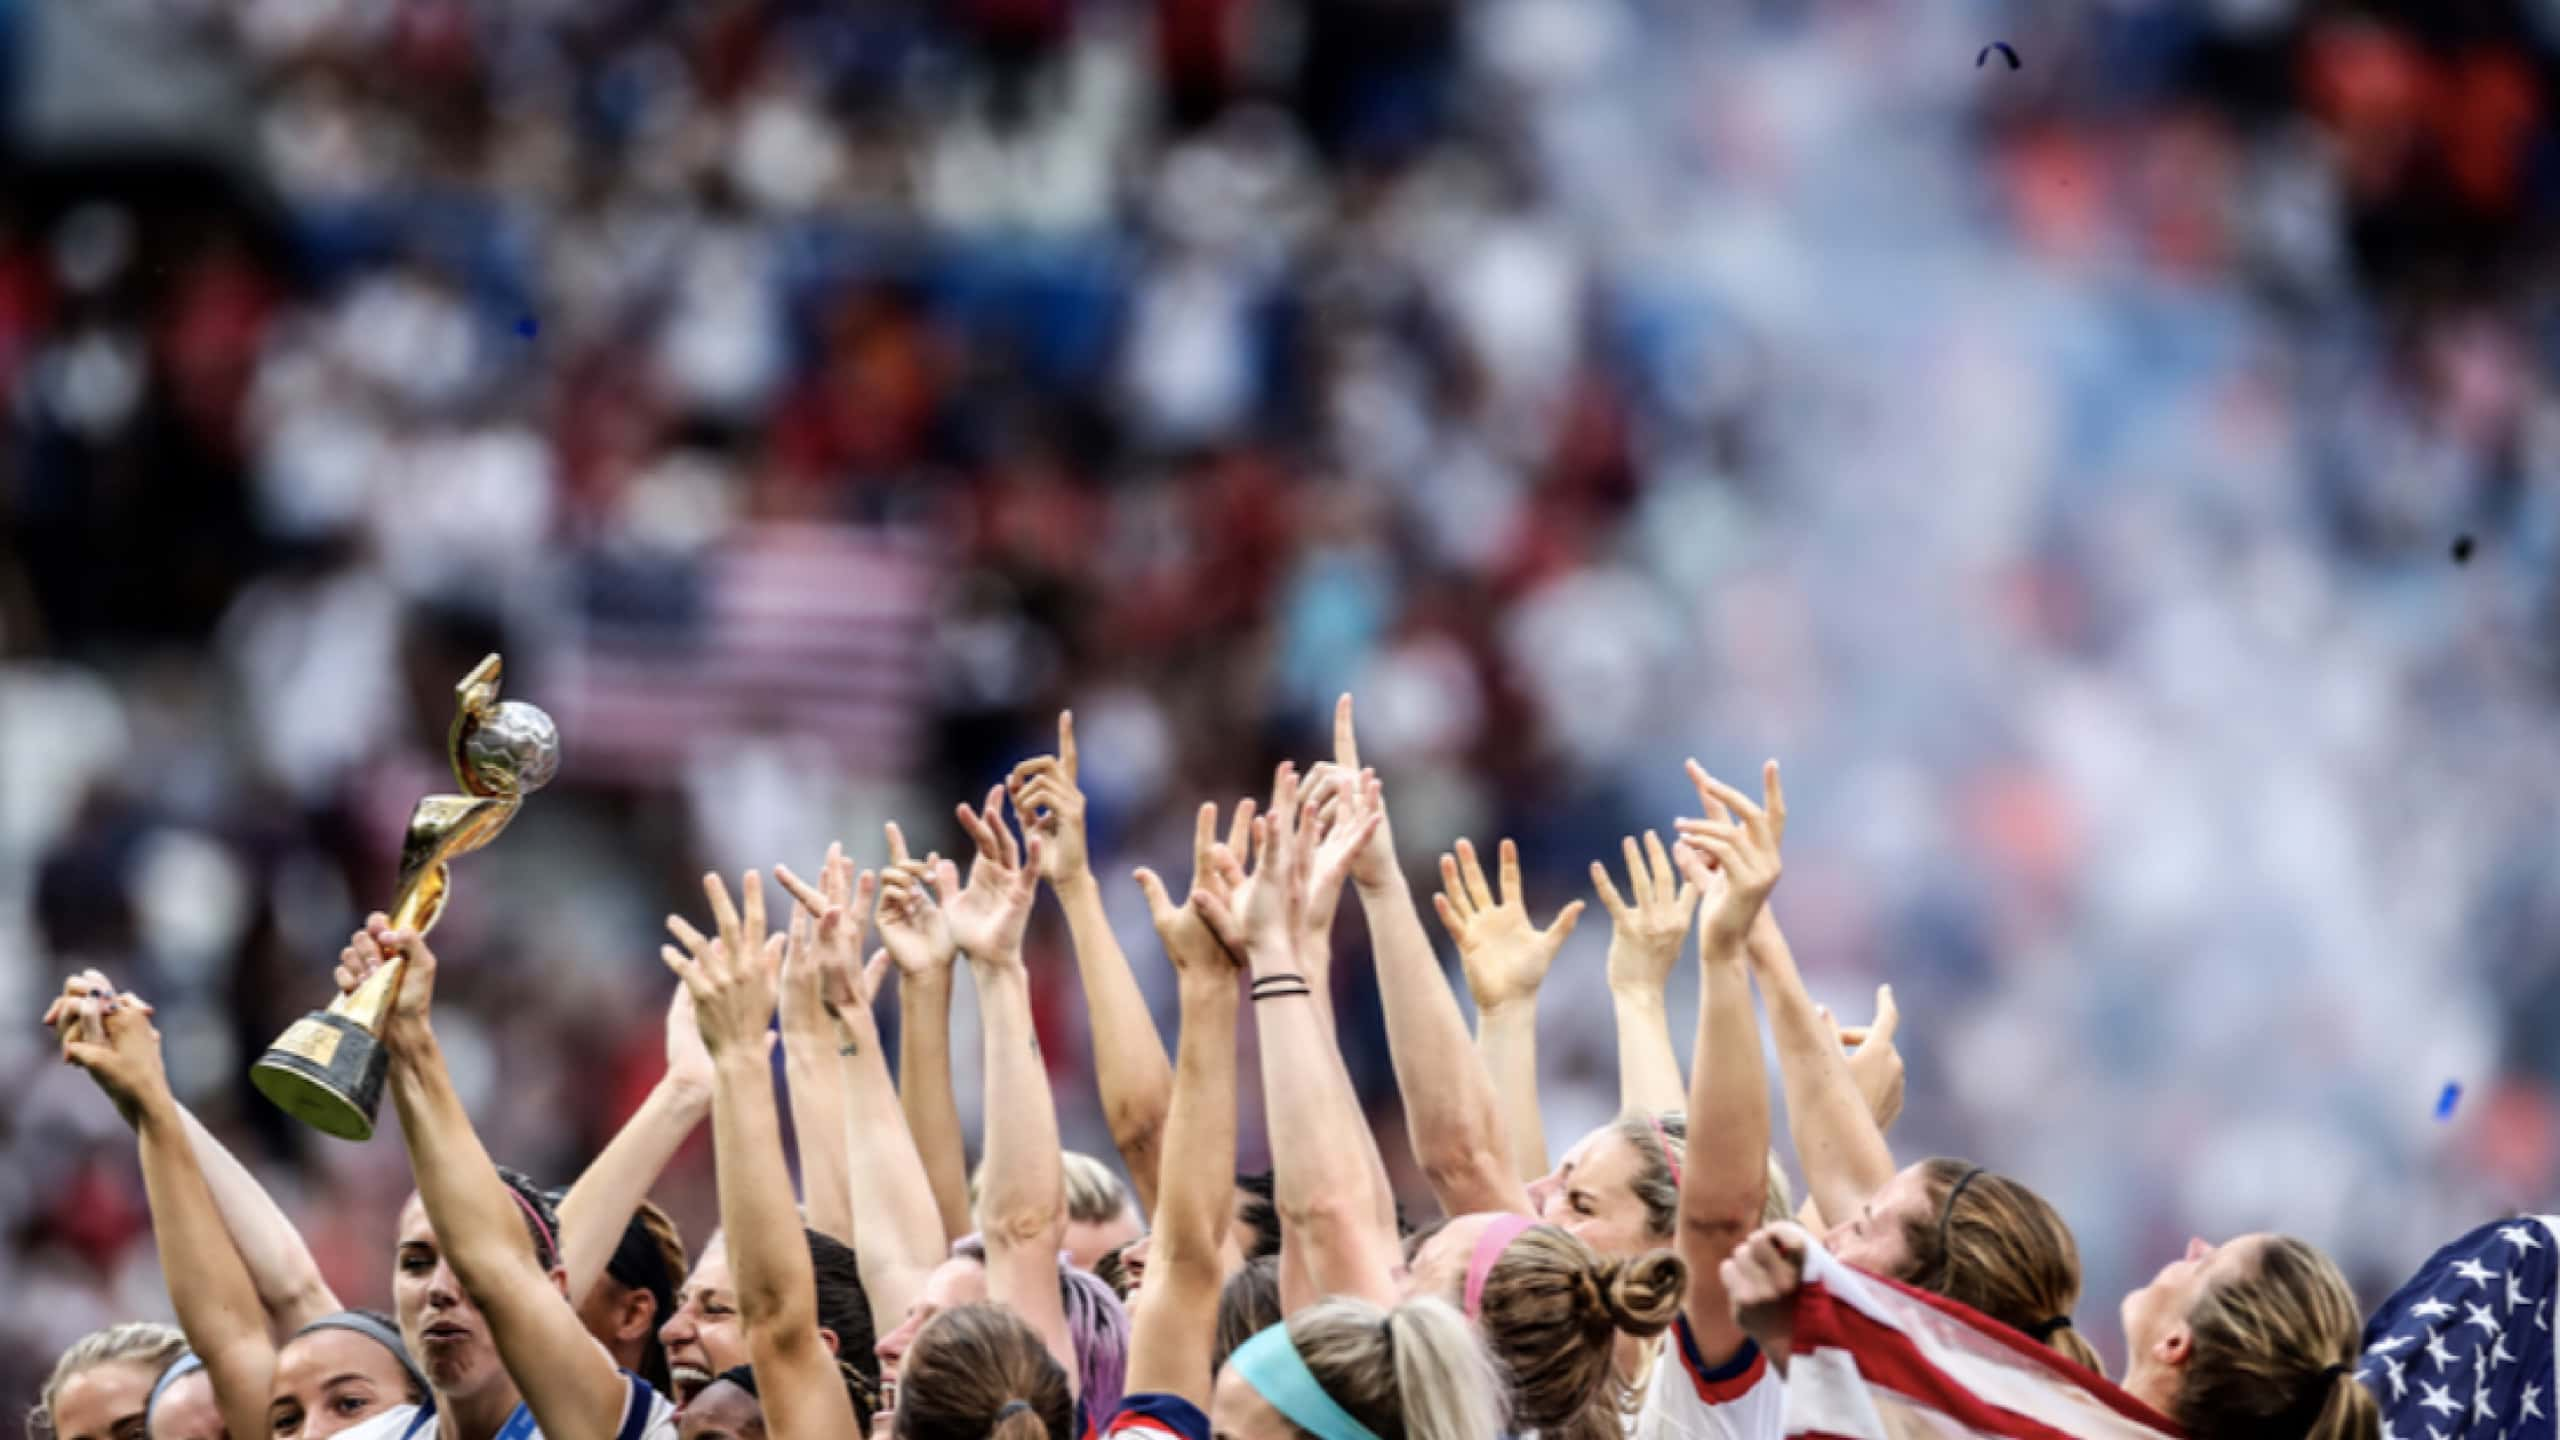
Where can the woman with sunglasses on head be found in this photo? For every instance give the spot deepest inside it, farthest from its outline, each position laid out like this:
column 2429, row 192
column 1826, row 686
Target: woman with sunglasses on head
column 236, row 1367
column 478, row 1281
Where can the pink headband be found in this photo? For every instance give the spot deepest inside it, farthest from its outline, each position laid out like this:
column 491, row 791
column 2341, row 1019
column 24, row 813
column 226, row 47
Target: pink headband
column 539, row 1229
column 1670, row 1153
column 1497, row 1237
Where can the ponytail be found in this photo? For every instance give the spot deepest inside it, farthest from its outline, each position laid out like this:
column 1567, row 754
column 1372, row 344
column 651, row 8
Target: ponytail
column 1417, row 1372
column 1551, row 1312
column 2272, row 1351
column 1446, row 1386
column 1642, row 1295
column 1016, row 1420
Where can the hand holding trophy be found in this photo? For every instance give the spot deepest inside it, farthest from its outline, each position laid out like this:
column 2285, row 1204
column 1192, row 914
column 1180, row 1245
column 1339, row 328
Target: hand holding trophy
column 326, row 1070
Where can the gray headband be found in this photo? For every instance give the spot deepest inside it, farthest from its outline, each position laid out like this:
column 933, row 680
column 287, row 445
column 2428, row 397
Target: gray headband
column 179, row 1369
column 376, row 1331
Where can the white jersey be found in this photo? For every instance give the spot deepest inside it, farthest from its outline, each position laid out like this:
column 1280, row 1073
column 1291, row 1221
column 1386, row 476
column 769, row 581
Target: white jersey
column 646, row 1415
column 1742, row 1399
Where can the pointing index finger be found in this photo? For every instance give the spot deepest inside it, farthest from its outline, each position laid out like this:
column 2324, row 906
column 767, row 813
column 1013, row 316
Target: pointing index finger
column 1346, row 745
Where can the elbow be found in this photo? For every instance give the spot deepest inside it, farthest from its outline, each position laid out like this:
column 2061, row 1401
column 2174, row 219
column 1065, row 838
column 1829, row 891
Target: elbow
column 1032, row 1226
column 1712, row 1225
column 1137, row 1126
column 1462, row 1166
column 1330, row 1211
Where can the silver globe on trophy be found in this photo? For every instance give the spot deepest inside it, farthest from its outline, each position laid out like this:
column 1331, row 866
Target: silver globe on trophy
column 326, row 1070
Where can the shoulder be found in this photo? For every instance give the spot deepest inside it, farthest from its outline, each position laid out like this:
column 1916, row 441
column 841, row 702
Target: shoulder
column 1157, row 1417
column 646, row 1414
column 1742, row 1399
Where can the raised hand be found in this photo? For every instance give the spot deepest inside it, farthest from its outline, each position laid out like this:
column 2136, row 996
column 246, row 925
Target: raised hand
column 110, row 1035
column 1189, row 942
column 1873, row 1060
column 1645, row 936
column 1258, row 910
column 987, row 918
column 735, row 977
column 1374, row 864
column 1345, row 811
column 1504, row 954
column 1045, row 797
column 826, row 935
column 913, row 928
column 374, row 947
column 688, row 1064
column 1744, row 852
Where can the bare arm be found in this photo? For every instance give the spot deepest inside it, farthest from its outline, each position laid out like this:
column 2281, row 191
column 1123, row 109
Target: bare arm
column 567, row 1379
column 1506, row 958
column 1022, row 1204
column 816, row 1076
column 734, row 982
column 1324, row 1182
column 1128, row 1055
column 1876, row 1064
column 1844, row 1155
column 599, row 1207
column 1452, row 1114
column 1644, row 944
column 897, row 1233
column 920, row 946
column 1724, row 1167
column 217, row 1304
column 1169, row 1353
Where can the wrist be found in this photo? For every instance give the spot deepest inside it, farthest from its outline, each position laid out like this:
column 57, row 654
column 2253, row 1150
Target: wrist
column 733, row 1063
column 1509, row 1013
column 156, row 1113
column 408, row 1034
column 1076, row 886
column 685, row 1094
column 1385, row 884
column 1637, row 994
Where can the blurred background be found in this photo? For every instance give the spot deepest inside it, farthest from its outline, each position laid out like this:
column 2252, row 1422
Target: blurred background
column 2121, row 488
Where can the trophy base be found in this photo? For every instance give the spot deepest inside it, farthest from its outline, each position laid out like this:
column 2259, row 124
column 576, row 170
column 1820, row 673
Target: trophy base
column 325, row 1071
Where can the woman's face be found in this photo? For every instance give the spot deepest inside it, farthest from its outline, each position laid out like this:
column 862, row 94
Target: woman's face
column 442, row 1328
column 721, row 1411
column 1088, row 1241
column 953, row 1283
column 1592, row 1195
column 703, row 1337
column 187, row 1410
column 104, row 1402
column 328, row 1380
column 1237, row 1411
column 1874, row 1239
column 2155, row 1316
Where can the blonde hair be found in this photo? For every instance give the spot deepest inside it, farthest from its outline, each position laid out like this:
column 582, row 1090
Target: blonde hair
column 1999, row 1248
column 1552, row 1312
column 137, row 1342
column 2273, row 1353
column 1656, row 1138
column 1095, row 1195
column 1416, row 1372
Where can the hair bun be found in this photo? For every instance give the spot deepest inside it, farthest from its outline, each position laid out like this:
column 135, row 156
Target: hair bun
column 1643, row 1294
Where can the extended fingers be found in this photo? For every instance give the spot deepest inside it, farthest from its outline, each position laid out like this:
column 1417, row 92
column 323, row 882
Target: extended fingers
column 1566, row 919
column 808, row 895
column 1609, row 897
column 1346, row 745
column 1240, row 830
column 897, row 843
column 724, row 913
column 1067, row 743
column 1204, row 838
column 1639, row 879
column 1665, row 879
column 1472, row 872
column 1888, row 1016
column 1508, row 855
column 1454, row 888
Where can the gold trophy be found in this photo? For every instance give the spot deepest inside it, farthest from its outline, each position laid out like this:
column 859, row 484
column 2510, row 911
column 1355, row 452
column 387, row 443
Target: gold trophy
column 327, row 1069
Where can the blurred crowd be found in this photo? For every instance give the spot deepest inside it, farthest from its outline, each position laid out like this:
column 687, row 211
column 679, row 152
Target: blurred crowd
column 2125, row 490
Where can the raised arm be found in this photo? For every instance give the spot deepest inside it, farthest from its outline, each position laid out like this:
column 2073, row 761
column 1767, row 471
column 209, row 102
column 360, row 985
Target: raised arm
column 1022, row 1205
column 1128, row 1055
column 217, row 1303
column 897, row 1232
column 566, row 1377
column 599, row 1207
column 1325, row 1183
column 288, row 1280
column 919, row 944
column 813, row 1066
column 1644, row 945
column 734, row 980
column 1506, row 958
column 1843, row 1153
column 1724, row 1167
column 1876, row 1064
column 1451, row 1112
column 1178, row 1321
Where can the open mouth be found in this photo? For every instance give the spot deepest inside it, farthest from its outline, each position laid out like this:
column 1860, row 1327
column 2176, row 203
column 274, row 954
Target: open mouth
column 688, row 1381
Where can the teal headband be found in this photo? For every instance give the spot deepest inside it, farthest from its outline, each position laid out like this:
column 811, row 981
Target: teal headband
column 1271, row 1364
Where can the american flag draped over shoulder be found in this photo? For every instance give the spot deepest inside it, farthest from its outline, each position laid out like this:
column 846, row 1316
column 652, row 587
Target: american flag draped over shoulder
column 2463, row 1351
column 792, row 631
column 1877, row 1360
